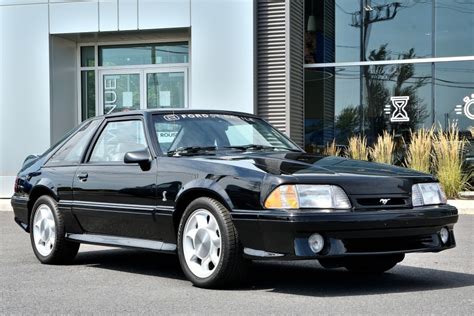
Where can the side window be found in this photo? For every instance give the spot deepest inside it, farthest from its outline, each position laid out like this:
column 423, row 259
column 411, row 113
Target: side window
column 117, row 139
column 71, row 152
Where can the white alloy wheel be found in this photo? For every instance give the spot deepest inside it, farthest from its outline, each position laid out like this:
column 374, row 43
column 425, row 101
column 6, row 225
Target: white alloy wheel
column 202, row 244
column 44, row 230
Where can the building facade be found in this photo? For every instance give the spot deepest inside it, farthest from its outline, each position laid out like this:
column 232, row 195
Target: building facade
column 319, row 70
column 63, row 61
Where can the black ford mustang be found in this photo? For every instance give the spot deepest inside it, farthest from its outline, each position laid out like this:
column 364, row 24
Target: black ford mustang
column 220, row 188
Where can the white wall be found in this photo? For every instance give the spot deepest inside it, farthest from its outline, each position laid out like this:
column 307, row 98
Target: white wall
column 24, row 98
column 222, row 55
column 63, row 79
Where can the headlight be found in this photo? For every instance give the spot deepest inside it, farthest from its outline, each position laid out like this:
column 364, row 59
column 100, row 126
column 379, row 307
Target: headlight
column 427, row 194
column 308, row 196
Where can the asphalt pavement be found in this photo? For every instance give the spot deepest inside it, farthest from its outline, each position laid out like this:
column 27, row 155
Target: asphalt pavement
column 111, row 281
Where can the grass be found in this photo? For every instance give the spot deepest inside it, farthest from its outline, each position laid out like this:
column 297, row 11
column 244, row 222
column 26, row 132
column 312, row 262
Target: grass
column 357, row 148
column 331, row 149
column 383, row 149
column 447, row 161
column 418, row 156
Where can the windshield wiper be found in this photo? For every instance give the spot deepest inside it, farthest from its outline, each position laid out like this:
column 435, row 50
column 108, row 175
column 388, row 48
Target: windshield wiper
column 260, row 147
column 191, row 150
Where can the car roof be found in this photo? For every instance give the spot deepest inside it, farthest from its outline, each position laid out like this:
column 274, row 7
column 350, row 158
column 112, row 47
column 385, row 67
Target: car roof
column 174, row 111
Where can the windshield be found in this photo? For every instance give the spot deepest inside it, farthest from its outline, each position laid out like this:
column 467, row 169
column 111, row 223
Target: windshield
column 218, row 132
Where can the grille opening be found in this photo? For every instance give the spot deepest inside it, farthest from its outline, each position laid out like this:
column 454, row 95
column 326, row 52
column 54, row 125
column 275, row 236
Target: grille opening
column 356, row 245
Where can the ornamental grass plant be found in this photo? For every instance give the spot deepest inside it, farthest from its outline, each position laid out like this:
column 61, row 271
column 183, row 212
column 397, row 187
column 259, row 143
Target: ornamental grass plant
column 419, row 155
column 357, row 148
column 448, row 149
column 331, row 149
column 383, row 149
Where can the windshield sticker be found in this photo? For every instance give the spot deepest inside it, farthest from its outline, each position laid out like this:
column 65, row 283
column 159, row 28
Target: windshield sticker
column 175, row 117
column 166, row 137
column 171, row 117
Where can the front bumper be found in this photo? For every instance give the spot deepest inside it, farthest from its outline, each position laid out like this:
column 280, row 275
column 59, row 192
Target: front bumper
column 284, row 235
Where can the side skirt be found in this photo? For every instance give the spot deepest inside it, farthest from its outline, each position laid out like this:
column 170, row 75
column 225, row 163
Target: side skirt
column 123, row 242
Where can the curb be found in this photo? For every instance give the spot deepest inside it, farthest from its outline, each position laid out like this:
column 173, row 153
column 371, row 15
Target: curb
column 465, row 207
column 5, row 205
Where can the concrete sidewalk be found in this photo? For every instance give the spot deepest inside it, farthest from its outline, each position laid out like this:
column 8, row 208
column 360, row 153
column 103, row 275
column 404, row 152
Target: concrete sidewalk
column 464, row 206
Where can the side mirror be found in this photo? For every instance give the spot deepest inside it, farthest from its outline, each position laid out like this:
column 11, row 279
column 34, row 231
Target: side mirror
column 141, row 157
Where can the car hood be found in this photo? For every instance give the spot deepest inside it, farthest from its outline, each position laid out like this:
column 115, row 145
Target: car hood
column 355, row 176
column 306, row 164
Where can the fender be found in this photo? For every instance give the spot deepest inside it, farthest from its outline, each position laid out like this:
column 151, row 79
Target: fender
column 207, row 185
column 45, row 183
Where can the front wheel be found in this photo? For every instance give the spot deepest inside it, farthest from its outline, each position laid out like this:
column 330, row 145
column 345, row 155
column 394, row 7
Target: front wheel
column 373, row 264
column 208, row 245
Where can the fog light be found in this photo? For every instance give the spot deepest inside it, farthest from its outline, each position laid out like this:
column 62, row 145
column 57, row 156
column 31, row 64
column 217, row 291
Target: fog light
column 316, row 242
column 444, row 234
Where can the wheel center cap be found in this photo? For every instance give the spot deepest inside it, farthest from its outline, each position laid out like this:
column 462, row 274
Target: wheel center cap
column 203, row 243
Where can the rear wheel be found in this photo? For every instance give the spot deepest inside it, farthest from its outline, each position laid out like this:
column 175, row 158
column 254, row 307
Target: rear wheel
column 372, row 264
column 208, row 245
column 47, row 233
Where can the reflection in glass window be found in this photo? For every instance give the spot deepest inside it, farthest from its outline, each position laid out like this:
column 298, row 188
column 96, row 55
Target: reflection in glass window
column 87, row 56
column 397, row 99
column 343, row 101
column 352, row 30
column 403, row 27
column 332, row 111
column 454, row 28
column 143, row 54
column 87, row 94
column 121, row 92
column 165, row 90
column 117, row 139
column 454, row 89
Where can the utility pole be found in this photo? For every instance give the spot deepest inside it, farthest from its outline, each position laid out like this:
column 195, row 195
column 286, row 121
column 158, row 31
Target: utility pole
column 363, row 19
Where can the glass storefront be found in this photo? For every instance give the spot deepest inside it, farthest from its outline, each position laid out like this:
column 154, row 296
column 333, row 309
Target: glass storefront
column 367, row 68
column 118, row 78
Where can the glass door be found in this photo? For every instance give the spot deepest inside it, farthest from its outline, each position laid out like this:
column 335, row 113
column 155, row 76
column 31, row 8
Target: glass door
column 120, row 90
column 166, row 88
column 152, row 88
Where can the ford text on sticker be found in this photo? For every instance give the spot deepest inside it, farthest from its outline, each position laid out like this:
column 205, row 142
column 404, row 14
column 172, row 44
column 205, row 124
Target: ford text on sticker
column 223, row 116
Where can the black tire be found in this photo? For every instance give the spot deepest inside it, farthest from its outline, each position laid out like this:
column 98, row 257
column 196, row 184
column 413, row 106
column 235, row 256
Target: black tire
column 63, row 251
column 231, row 266
column 372, row 264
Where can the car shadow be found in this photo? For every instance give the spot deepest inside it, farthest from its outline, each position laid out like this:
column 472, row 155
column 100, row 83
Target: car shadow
column 299, row 278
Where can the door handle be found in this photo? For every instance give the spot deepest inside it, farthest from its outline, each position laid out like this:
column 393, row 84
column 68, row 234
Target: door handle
column 82, row 176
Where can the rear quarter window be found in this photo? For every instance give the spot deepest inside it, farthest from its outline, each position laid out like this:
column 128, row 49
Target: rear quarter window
column 71, row 152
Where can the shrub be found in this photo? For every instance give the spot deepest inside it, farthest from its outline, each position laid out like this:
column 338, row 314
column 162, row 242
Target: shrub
column 383, row 149
column 331, row 149
column 448, row 161
column 418, row 156
column 357, row 148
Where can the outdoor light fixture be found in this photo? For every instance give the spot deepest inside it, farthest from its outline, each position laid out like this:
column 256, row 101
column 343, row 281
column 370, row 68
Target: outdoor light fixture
column 311, row 27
